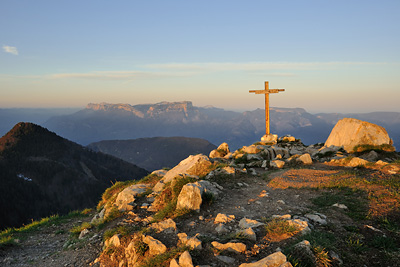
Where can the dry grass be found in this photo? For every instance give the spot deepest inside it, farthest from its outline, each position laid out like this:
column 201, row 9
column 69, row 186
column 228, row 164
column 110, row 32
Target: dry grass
column 383, row 190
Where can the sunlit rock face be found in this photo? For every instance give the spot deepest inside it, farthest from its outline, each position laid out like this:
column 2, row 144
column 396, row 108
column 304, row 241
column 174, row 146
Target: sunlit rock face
column 350, row 132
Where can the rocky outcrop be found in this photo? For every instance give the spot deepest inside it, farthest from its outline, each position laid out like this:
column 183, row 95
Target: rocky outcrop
column 349, row 133
column 193, row 165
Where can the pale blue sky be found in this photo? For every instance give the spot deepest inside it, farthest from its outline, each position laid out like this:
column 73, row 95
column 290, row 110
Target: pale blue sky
column 330, row 56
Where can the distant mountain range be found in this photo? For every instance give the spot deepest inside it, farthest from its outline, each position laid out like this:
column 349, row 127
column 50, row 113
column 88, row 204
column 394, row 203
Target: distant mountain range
column 43, row 174
column 156, row 152
column 104, row 121
column 98, row 122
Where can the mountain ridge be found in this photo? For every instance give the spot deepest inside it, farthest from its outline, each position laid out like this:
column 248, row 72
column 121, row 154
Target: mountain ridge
column 42, row 173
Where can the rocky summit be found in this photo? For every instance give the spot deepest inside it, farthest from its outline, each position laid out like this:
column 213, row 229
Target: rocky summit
column 282, row 204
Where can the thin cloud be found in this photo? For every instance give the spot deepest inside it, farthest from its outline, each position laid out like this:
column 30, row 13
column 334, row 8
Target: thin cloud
column 254, row 66
column 10, row 49
column 119, row 75
column 171, row 70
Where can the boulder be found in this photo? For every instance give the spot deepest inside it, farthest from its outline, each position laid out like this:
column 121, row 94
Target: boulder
column 160, row 173
column 354, row 162
column 231, row 247
column 274, row 260
column 130, row 254
column 349, row 133
column 223, row 218
column 113, row 241
column 185, row 260
column 248, row 234
column 126, row 197
column 190, row 197
column 248, row 223
column 277, row 164
column 269, row 139
column 304, row 159
column 220, row 152
column 250, row 149
column 287, row 138
column 192, row 242
column 166, row 226
column 193, row 165
column 155, row 246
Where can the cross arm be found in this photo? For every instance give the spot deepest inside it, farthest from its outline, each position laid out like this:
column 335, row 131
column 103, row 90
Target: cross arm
column 270, row 91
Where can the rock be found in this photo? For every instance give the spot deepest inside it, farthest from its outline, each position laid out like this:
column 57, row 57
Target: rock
column 221, row 229
column 113, row 241
column 340, row 206
column 277, row 164
column 349, row 133
column 335, row 258
column 355, row 162
column 173, row 263
column 301, row 225
column 223, row 218
column 83, row 233
column 305, row 159
column 248, row 234
column 371, row 156
column 250, row 149
column 224, row 147
column 316, row 218
column 98, row 218
column 231, row 247
column 127, row 196
column 160, row 173
column 192, row 242
column 193, row 165
column 190, row 197
column 220, row 152
column 270, row 139
column 248, row 223
column 287, row 138
column 155, row 246
column 130, row 254
column 185, row 260
column 381, row 163
column 166, row 226
column 274, row 260
column 228, row 170
column 283, row 217
column 210, row 187
column 303, row 252
column 226, row 259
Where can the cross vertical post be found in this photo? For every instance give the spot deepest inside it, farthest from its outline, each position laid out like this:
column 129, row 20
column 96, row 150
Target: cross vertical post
column 267, row 132
column 266, row 92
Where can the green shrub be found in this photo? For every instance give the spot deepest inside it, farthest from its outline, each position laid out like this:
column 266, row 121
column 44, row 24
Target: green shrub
column 75, row 231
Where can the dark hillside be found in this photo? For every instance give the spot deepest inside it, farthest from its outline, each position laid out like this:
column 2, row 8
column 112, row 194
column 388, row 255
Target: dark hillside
column 154, row 153
column 42, row 174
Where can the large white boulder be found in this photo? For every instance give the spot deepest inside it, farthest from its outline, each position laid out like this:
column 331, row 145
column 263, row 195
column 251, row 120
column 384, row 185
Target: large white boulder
column 349, row 133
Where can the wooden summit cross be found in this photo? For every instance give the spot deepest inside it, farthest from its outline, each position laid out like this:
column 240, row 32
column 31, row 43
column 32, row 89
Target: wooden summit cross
column 266, row 92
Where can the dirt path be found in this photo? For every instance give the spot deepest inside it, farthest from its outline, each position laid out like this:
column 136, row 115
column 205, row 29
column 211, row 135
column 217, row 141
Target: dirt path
column 52, row 246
